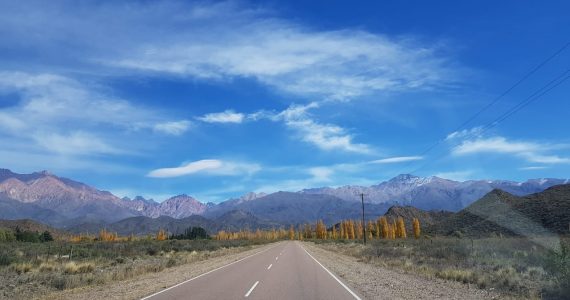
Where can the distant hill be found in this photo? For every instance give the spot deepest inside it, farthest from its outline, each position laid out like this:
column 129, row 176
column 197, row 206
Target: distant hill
column 499, row 212
column 233, row 221
column 238, row 219
column 30, row 225
column 426, row 218
column 293, row 208
column 142, row 225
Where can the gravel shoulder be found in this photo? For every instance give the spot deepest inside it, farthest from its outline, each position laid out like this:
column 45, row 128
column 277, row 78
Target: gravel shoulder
column 375, row 282
column 150, row 283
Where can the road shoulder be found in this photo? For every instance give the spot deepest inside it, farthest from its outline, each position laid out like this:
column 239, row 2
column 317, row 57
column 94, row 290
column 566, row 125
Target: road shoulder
column 376, row 282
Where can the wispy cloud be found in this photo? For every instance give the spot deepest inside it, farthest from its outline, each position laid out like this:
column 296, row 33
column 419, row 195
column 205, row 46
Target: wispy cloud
column 76, row 142
column 207, row 166
column 69, row 117
column 455, row 175
column 533, row 168
column 228, row 40
column 530, row 151
column 397, row 159
column 296, row 117
column 173, row 127
column 325, row 136
column 465, row 133
column 228, row 116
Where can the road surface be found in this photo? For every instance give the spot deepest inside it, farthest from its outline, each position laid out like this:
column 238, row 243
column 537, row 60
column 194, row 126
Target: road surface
column 284, row 271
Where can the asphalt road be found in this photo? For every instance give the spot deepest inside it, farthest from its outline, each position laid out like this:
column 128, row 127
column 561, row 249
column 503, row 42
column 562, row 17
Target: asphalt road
column 284, row 271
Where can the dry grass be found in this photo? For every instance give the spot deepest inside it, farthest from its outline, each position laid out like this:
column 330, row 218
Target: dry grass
column 22, row 268
column 74, row 268
column 34, row 269
column 514, row 266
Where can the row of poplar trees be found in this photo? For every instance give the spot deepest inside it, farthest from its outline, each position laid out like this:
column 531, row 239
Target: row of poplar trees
column 347, row 229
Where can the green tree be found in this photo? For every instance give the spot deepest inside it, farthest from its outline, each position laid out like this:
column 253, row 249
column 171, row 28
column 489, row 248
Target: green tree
column 46, row 236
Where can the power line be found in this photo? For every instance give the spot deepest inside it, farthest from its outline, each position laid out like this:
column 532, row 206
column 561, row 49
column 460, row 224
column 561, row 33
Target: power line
column 513, row 110
column 493, row 102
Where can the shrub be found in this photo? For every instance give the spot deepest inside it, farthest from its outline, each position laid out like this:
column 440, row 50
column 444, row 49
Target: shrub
column 22, row 268
column 70, row 268
column 557, row 264
column 47, row 267
column 5, row 259
column 73, row 268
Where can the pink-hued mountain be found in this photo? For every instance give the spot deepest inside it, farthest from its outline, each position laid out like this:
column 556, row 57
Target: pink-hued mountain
column 178, row 207
column 61, row 201
column 65, row 198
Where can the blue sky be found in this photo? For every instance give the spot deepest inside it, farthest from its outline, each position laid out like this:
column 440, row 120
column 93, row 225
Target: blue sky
column 216, row 99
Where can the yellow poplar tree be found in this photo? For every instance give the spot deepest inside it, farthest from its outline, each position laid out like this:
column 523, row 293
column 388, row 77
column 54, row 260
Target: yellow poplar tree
column 161, row 235
column 401, row 228
column 417, row 230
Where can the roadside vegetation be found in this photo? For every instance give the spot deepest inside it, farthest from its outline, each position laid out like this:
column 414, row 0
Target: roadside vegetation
column 30, row 268
column 517, row 267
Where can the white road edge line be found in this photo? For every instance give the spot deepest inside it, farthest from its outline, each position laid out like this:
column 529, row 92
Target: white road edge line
column 330, row 273
column 269, row 266
column 216, row 269
column 251, row 290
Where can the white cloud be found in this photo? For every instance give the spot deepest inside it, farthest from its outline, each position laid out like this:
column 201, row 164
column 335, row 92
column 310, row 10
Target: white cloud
column 530, row 151
column 324, row 136
column 296, row 117
column 321, row 174
column 455, row 175
column 533, row 168
column 75, row 143
column 496, row 145
column 228, row 116
column 465, row 133
column 70, row 117
column 397, row 159
column 207, row 166
column 173, row 127
column 227, row 40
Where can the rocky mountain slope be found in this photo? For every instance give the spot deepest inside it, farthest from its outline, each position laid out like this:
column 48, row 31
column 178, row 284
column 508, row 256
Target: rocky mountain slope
column 431, row 193
column 180, row 206
column 499, row 212
column 292, row 208
column 408, row 213
column 46, row 197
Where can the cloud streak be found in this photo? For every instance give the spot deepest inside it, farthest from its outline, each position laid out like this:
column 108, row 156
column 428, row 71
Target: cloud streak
column 208, row 167
column 228, row 116
column 397, row 159
column 530, row 151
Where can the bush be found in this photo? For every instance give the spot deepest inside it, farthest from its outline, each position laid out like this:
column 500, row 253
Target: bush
column 73, row 268
column 47, row 267
column 5, row 259
column 27, row 236
column 557, row 265
column 6, row 236
column 22, row 268
column 46, row 237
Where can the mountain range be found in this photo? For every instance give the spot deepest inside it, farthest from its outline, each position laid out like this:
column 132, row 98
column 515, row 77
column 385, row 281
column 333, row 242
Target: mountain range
column 62, row 202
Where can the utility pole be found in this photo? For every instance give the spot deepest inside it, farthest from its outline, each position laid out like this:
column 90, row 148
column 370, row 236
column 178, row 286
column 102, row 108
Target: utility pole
column 363, row 221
